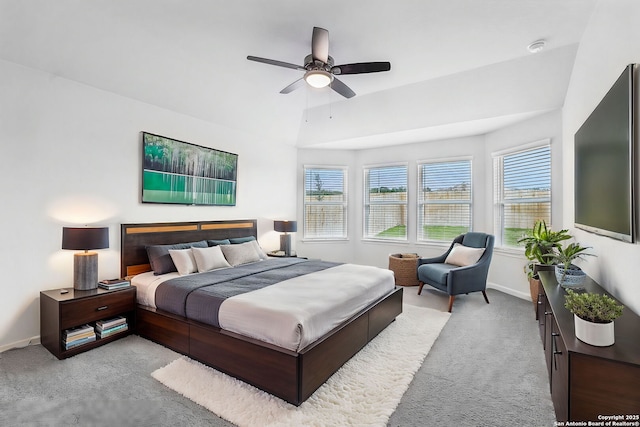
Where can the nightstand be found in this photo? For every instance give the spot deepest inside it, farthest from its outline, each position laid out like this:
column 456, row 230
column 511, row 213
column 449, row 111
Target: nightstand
column 62, row 311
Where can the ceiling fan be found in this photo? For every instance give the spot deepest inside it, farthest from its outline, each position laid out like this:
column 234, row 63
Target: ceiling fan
column 319, row 69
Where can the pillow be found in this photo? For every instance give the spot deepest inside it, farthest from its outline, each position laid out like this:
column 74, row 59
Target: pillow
column 236, row 240
column 208, row 259
column 242, row 253
column 218, row 242
column 160, row 259
column 184, row 261
column 463, row 255
column 261, row 253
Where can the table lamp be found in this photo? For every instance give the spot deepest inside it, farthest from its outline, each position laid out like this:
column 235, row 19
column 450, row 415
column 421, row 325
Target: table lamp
column 85, row 264
column 285, row 227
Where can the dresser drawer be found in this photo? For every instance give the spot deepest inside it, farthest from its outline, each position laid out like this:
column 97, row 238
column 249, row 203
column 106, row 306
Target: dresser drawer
column 84, row 310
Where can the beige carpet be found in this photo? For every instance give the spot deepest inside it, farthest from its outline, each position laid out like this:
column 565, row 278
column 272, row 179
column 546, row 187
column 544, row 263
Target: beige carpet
column 365, row 391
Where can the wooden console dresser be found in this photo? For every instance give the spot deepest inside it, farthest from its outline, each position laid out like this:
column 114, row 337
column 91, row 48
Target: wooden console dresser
column 588, row 383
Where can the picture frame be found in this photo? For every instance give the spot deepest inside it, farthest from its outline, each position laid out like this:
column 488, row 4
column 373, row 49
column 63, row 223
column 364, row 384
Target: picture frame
column 178, row 172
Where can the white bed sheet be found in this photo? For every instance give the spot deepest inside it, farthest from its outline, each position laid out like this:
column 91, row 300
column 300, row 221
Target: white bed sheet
column 295, row 313
column 146, row 285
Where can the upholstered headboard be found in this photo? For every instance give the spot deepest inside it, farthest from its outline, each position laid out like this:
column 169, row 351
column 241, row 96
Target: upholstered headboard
column 136, row 237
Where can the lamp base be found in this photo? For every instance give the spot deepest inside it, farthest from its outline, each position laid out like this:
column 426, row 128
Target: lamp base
column 285, row 244
column 85, row 271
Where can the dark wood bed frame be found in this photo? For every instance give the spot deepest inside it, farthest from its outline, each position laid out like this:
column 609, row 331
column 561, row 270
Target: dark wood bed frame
column 288, row 375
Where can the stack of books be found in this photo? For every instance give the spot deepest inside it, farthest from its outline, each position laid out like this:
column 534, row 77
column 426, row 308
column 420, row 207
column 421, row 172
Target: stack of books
column 107, row 327
column 114, row 284
column 77, row 336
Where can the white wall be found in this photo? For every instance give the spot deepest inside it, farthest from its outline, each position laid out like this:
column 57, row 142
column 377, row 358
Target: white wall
column 610, row 42
column 336, row 251
column 510, row 276
column 377, row 253
column 506, row 272
column 71, row 155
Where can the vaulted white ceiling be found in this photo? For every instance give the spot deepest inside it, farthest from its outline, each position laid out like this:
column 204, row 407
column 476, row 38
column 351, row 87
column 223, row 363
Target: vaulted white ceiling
column 458, row 67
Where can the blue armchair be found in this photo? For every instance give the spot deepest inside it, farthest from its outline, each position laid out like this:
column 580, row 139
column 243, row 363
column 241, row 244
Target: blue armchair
column 457, row 279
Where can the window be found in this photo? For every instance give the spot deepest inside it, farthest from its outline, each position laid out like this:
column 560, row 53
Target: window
column 325, row 202
column 385, row 202
column 522, row 192
column 444, row 199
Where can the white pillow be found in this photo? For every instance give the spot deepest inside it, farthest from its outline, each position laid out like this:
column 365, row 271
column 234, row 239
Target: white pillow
column 242, row 253
column 208, row 259
column 463, row 255
column 184, row 261
column 261, row 253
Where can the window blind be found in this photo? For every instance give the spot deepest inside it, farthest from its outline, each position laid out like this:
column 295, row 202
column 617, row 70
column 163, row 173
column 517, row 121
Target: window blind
column 444, row 199
column 385, row 202
column 325, row 203
column 522, row 192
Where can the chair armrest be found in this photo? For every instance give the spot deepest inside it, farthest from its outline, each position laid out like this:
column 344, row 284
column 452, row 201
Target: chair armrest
column 436, row 260
column 468, row 279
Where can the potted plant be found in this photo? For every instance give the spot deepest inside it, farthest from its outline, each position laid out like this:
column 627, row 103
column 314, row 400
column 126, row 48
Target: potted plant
column 569, row 275
column 593, row 316
column 538, row 245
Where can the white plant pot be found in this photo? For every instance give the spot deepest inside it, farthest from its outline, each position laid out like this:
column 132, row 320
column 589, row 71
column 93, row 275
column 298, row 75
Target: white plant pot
column 598, row 334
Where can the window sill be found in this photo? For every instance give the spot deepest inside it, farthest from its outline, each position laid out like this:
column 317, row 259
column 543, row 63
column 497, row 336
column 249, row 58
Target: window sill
column 434, row 243
column 385, row 241
column 510, row 252
column 326, row 240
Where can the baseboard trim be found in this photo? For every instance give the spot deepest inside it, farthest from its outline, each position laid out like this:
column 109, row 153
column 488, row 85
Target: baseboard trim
column 20, row 344
column 509, row 291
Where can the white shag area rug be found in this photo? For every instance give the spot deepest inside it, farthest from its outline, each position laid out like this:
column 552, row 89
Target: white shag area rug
column 364, row 392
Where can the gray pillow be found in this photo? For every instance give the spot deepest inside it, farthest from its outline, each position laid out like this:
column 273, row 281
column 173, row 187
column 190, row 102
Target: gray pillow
column 239, row 240
column 242, row 253
column 236, row 240
column 218, row 242
column 160, row 259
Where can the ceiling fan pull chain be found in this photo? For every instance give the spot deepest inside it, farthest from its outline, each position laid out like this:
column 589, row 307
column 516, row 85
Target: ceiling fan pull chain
column 306, row 110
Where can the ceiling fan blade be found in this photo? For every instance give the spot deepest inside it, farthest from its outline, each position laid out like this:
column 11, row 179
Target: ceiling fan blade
column 274, row 62
column 361, row 68
column 320, row 44
column 293, row 86
column 342, row 88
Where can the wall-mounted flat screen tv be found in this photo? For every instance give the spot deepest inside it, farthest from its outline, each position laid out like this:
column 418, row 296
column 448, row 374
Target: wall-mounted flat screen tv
column 605, row 164
column 182, row 173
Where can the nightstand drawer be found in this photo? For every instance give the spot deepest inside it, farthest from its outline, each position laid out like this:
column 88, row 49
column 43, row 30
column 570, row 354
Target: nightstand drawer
column 84, row 310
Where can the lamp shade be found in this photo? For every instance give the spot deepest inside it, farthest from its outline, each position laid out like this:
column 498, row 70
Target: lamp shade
column 85, row 238
column 285, row 226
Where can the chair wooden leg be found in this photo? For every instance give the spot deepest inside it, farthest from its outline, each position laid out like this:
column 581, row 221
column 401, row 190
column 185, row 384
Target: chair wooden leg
column 420, row 288
column 485, row 296
column 451, row 298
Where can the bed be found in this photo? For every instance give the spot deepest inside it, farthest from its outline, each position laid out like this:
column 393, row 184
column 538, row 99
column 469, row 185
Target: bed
column 291, row 368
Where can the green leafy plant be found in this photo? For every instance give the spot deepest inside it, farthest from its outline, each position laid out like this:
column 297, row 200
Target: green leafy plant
column 596, row 308
column 539, row 245
column 567, row 255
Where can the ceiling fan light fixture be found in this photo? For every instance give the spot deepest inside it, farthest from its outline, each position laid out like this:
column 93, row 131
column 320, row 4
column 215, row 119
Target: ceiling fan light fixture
column 318, row 78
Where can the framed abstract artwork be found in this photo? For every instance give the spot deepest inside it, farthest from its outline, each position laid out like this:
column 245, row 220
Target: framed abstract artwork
column 178, row 172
